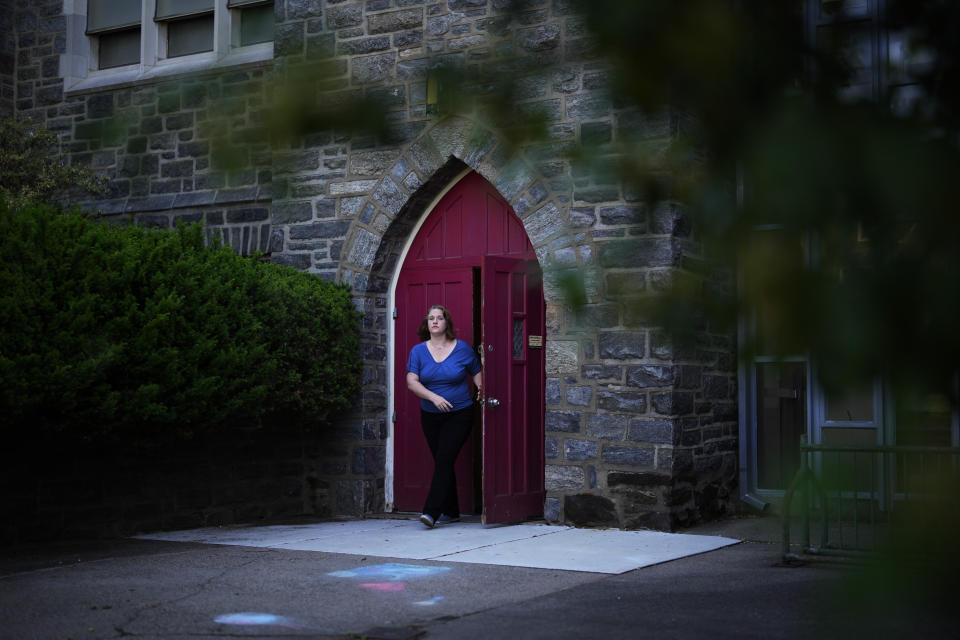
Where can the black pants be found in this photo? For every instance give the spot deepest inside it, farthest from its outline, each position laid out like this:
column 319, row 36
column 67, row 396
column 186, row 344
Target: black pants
column 446, row 434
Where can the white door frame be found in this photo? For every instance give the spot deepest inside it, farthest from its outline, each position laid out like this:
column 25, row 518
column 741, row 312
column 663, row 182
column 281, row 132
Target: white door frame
column 391, row 337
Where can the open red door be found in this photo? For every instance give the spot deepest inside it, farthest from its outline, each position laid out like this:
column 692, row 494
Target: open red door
column 513, row 321
column 416, row 290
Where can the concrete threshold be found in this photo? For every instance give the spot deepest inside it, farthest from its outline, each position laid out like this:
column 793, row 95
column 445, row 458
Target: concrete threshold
column 538, row 546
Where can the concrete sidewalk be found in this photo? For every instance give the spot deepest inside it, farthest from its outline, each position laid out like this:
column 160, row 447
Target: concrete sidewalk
column 526, row 545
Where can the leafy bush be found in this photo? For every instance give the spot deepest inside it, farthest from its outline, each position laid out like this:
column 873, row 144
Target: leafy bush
column 129, row 334
column 28, row 169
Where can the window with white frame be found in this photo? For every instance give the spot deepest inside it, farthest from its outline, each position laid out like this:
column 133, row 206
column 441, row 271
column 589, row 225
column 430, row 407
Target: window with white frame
column 121, row 40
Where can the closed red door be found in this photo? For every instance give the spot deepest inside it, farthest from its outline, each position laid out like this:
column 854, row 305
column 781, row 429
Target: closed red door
column 447, row 264
column 513, row 414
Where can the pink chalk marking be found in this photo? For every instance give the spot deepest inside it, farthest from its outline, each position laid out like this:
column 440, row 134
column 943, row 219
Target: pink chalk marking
column 384, row 586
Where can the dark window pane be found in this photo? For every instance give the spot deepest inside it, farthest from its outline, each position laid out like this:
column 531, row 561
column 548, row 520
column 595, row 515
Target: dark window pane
column 194, row 35
column 167, row 9
column 781, row 421
column 256, row 25
column 854, row 405
column 518, row 338
column 119, row 48
column 108, row 15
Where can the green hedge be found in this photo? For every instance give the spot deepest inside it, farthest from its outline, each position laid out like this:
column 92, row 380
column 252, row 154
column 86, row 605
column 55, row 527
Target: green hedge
column 135, row 335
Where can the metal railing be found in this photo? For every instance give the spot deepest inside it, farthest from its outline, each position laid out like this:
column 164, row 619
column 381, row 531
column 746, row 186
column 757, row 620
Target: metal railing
column 850, row 500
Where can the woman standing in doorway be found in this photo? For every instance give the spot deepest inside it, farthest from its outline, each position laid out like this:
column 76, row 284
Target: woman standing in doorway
column 437, row 373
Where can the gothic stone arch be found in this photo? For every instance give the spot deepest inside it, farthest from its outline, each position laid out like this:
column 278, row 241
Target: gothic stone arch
column 372, row 251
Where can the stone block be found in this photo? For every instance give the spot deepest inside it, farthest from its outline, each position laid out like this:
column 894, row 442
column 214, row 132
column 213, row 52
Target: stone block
column 300, row 9
column 296, row 161
column 288, row 39
column 544, row 223
column 640, row 252
column 562, row 357
column 588, row 106
column 625, row 401
column 622, row 215
column 373, row 163
column 638, row 501
column 392, row 21
column 653, row 431
column 179, row 121
column 553, row 392
column 389, row 196
column 364, row 249
column 600, row 372
column 563, row 477
column 551, row 510
column 628, row 456
column 374, row 68
column 324, row 230
column 637, row 479
column 648, row 375
column 625, row 283
column 595, row 133
column 363, row 46
column 343, row 17
column 321, row 46
column 621, row 345
column 595, row 316
column 716, row 387
column 563, row 421
column 245, row 194
column 670, row 218
column 351, row 188
column 589, row 510
column 100, row 106
column 369, row 460
column 605, row 426
column 580, row 450
column 551, row 448
column 579, row 396
column 248, row 215
column 676, row 403
column 178, row 168
column 690, row 377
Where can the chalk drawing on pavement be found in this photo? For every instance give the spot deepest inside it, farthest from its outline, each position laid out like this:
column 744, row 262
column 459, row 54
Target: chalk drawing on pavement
column 390, row 572
column 252, row 618
column 429, row 603
column 384, row 586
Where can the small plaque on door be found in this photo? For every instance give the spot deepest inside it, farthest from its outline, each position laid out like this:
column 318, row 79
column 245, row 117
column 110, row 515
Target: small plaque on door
column 535, row 342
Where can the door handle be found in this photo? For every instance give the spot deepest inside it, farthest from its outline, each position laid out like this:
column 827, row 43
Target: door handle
column 492, row 402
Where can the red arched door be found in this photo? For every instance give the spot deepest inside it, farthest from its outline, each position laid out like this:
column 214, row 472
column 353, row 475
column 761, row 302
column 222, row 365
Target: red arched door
column 473, row 256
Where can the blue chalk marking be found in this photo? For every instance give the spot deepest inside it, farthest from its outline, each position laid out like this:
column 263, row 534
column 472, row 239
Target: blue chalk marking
column 250, row 618
column 429, row 603
column 390, row 571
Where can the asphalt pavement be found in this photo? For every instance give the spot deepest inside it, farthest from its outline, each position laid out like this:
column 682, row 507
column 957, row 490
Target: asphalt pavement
column 151, row 588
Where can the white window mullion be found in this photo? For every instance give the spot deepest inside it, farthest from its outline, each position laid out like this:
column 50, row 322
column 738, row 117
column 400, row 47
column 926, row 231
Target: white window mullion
column 222, row 30
column 151, row 41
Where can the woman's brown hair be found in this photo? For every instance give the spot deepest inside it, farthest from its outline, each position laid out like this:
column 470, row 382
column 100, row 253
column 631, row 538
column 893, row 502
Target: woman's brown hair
column 424, row 333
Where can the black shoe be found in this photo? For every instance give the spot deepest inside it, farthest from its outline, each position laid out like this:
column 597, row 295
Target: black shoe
column 445, row 519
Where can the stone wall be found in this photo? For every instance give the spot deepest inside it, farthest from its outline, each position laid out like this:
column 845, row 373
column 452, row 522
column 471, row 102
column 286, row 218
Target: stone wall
column 154, row 139
column 8, row 59
column 640, row 432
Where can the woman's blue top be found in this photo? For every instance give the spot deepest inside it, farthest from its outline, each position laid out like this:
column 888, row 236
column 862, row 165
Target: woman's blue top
column 447, row 378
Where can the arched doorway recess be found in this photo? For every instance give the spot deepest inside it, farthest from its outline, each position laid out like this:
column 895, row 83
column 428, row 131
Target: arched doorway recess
column 473, row 256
